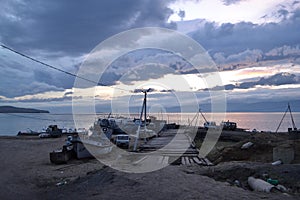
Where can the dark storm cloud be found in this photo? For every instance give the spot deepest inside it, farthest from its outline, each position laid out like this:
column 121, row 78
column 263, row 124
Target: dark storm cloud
column 246, row 56
column 71, row 28
column 153, row 90
column 283, row 13
column 284, row 51
column 68, row 93
column 109, row 78
column 229, row 2
column 18, row 80
column 57, row 32
column 295, row 2
column 275, row 80
column 75, row 26
column 145, row 64
column 20, row 76
column 60, row 80
column 235, row 38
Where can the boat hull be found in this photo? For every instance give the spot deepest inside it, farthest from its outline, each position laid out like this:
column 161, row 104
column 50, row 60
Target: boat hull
column 89, row 149
column 62, row 156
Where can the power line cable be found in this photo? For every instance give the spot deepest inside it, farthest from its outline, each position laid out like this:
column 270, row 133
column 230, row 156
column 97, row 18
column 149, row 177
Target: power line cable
column 57, row 69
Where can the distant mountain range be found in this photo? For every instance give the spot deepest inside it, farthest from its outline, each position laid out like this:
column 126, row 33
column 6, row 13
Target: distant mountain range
column 11, row 109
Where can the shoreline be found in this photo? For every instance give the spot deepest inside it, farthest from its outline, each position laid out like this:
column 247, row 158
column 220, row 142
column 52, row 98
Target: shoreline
column 261, row 121
column 27, row 171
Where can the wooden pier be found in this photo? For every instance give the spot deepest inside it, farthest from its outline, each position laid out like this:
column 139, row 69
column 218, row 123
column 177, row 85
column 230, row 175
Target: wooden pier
column 174, row 143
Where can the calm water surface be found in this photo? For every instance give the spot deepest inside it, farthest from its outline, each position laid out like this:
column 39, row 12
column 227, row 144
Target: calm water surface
column 10, row 124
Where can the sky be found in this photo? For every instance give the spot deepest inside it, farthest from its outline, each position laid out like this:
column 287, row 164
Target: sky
column 254, row 46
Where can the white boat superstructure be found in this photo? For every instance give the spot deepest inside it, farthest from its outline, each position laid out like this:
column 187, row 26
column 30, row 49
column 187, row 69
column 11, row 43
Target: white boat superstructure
column 94, row 145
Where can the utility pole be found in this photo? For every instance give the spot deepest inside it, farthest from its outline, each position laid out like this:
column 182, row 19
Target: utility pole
column 144, row 111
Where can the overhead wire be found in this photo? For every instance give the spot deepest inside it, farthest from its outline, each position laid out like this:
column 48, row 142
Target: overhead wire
column 60, row 70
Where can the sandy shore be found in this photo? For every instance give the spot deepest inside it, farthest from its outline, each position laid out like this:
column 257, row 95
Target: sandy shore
column 26, row 173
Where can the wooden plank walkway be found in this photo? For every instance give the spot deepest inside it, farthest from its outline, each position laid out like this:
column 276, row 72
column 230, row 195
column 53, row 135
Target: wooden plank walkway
column 195, row 160
column 173, row 143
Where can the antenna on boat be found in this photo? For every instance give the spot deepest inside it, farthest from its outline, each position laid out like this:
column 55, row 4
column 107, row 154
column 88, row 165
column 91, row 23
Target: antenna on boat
column 144, row 111
column 293, row 122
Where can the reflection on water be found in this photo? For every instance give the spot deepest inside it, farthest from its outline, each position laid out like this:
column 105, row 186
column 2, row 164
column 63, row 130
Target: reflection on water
column 10, row 124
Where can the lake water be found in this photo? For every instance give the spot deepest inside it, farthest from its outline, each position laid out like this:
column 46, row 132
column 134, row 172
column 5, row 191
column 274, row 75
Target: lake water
column 11, row 124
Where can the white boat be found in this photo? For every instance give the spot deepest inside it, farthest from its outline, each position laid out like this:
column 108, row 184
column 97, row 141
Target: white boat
column 82, row 131
column 28, row 132
column 210, row 125
column 45, row 135
column 124, row 125
column 91, row 146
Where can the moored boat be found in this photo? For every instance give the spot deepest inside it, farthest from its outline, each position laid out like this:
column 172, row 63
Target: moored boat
column 28, row 132
column 90, row 147
column 62, row 156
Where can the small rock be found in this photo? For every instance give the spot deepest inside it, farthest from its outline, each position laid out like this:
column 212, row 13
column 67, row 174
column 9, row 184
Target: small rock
column 61, row 183
column 278, row 162
column 227, row 184
column 237, row 183
column 281, row 188
column 247, row 145
column 188, row 171
column 259, row 185
column 265, row 175
column 286, row 194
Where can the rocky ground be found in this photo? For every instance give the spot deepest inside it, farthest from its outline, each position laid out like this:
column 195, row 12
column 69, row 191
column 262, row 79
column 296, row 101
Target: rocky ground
column 26, row 172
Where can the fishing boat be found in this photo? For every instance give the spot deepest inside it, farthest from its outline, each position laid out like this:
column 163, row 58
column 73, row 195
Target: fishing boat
column 91, row 147
column 62, row 156
column 113, row 126
column 28, row 132
column 51, row 131
column 231, row 126
column 81, row 148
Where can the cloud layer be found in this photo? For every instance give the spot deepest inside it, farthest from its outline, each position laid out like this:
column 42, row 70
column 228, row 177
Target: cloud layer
column 76, row 27
column 236, row 38
column 62, row 33
column 275, row 80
